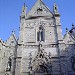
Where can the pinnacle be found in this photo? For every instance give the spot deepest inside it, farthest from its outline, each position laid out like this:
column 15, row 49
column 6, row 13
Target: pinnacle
column 13, row 31
column 72, row 25
column 39, row 0
column 66, row 29
column 24, row 4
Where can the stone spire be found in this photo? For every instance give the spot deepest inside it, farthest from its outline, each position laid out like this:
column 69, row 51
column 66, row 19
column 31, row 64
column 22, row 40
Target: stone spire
column 55, row 8
column 13, row 34
column 24, row 8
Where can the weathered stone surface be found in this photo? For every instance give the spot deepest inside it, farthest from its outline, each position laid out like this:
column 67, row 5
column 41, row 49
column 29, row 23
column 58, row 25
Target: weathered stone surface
column 40, row 49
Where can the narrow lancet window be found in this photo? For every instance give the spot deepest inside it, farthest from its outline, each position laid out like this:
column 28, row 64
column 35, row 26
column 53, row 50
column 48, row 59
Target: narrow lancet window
column 41, row 34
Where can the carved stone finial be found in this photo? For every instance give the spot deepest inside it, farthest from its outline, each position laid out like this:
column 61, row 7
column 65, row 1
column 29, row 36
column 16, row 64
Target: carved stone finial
column 72, row 25
column 39, row 0
column 24, row 8
column 55, row 8
column 13, row 31
column 24, row 4
column 66, row 29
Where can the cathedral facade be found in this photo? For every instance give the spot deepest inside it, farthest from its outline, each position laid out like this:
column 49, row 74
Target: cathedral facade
column 40, row 48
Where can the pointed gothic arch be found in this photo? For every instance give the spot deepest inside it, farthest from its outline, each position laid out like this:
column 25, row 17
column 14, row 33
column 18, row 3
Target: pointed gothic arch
column 41, row 34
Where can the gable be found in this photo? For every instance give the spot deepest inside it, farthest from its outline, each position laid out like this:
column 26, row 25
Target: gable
column 72, row 32
column 39, row 9
column 68, row 39
column 11, row 41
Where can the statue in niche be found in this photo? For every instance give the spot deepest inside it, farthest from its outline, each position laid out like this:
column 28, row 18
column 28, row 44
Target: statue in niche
column 9, row 64
column 73, row 62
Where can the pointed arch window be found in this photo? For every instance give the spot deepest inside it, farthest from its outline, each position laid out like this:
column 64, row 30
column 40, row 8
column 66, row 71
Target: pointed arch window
column 41, row 34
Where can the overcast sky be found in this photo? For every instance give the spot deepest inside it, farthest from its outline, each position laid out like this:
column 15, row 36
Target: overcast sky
column 10, row 11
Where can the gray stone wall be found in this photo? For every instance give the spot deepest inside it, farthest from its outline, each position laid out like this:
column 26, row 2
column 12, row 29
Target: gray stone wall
column 27, row 53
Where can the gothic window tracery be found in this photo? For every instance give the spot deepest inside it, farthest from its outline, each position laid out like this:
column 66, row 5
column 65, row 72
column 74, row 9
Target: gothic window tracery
column 41, row 34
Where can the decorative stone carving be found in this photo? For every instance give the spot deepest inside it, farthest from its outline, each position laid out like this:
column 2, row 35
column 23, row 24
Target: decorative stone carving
column 41, row 63
column 9, row 64
column 55, row 8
